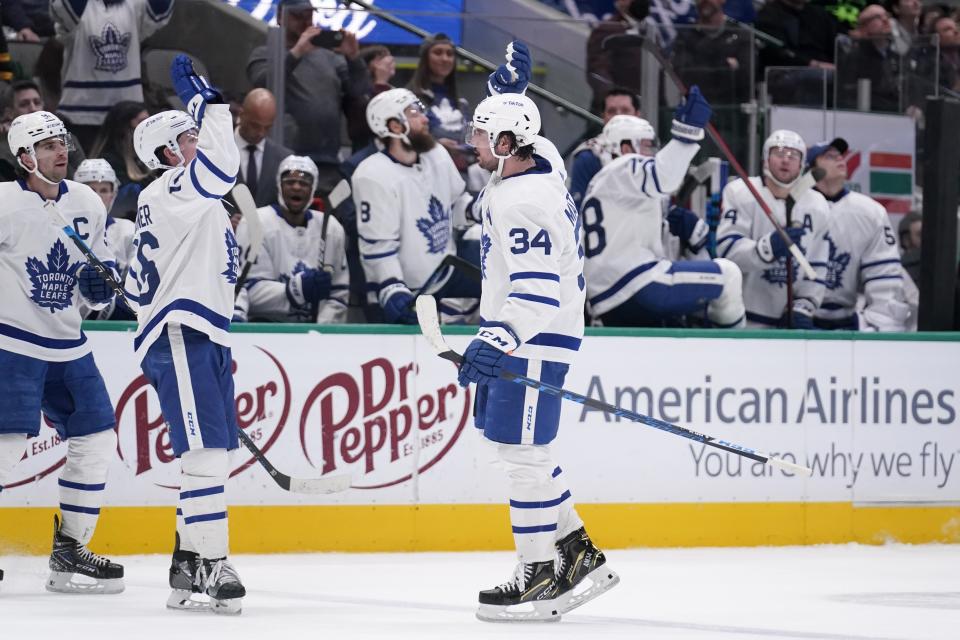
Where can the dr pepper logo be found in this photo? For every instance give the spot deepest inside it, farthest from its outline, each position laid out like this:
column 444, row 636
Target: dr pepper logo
column 381, row 422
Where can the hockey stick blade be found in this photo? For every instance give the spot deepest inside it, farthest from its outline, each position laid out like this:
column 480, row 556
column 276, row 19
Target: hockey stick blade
column 430, row 327
column 339, row 193
column 329, row 484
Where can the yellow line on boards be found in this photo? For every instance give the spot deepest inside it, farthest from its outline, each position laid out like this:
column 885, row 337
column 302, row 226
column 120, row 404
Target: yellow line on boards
column 481, row 527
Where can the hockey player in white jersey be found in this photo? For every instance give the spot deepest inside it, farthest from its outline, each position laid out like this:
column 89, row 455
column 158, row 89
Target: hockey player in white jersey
column 97, row 174
column 747, row 237
column 404, row 197
column 532, row 324
column 299, row 276
column 46, row 360
column 631, row 280
column 183, row 279
column 862, row 254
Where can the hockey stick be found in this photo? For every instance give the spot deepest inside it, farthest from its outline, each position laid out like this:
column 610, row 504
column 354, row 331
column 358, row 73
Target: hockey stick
column 248, row 210
column 454, row 261
column 430, row 327
column 803, row 184
column 667, row 66
column 329, row 484
column 102, row 269
column 330, row 203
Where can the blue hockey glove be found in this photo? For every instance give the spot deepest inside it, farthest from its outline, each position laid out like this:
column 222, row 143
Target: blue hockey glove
column 482, row 363
column 188, row 84
column 771, row 246
column 686, row 225
column 802, row 316
column 514, row 76
column 691, row 116
column 92, row 285
column 397, row 302
column 310, row 286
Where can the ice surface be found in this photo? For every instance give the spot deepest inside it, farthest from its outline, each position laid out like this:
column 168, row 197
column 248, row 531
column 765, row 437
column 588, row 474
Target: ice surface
column 817, row 593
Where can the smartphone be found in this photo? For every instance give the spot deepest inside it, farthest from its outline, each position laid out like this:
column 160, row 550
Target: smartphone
column 327, row 39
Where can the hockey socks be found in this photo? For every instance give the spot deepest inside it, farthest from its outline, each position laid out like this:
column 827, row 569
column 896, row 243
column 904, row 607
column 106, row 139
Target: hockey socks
column 203, row 504
column 82, row 482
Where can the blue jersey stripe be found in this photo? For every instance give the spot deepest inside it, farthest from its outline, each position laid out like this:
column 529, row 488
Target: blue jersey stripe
column 200, row 493
column 377, row 256
column 101, row 84
column 534, row 275
column 621, row 283
column 80, row 486
column 183, row 304
column 756, row 317
column 205, row 517
column 214, row 169
column 536, row 529
column 93, row 511
column 545, row 504
column 877, row 263
column 555, row 340
column 893, row 277
column 557, row 472
column 40, row 341
column 552, row 302
column 196, row 183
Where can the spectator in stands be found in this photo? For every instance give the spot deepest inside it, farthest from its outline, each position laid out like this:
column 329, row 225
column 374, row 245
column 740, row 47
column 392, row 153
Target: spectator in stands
column 381, row 65
column 301, row 273
column 320, row 83
column 872, row 56
column 259, row 156
column 620, row 66
column 588, row 156
column 807, row 31
column 15, row 17
column 25, row 99
column 946, row 29
column 929, row 16
column 906, row 23
column 714, row 57
column 114, row 144
column 435, row 83
column 910, row 231
column 102, row 61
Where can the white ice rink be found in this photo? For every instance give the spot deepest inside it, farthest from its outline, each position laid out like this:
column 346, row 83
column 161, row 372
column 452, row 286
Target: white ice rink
column 817, row 593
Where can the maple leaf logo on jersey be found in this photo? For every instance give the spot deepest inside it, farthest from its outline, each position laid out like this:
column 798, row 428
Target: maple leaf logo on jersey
column 777, row 274
column 436, row 227
column 233, row 257
column 110, row 49
column 54, row 281
column 837, row 263
column 485, row 244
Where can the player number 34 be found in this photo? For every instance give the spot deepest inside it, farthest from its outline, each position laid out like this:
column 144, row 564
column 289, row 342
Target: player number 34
column 522, row 242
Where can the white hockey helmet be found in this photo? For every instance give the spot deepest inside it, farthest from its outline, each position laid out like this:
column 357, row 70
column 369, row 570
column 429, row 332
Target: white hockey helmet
column 511, row 112
column 96, row 170
column 783, row 139
column 160, row 130
column 29, row 129
column 302, row 164
column 387, row 106
column 624, row 128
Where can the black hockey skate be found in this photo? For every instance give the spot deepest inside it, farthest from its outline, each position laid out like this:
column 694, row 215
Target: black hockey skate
column 185, row 593
column 529, row 596
column 582, row 565
column 71, row 560
column 219, row 580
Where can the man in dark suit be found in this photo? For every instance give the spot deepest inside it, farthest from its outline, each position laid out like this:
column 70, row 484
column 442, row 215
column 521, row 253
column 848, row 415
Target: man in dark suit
column 260, row 157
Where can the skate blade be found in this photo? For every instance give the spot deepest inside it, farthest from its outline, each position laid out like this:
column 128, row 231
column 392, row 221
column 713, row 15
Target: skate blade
column 231, row 607
column 601, row 580
column 184, row 600
column 543, row 611
column 60, row 582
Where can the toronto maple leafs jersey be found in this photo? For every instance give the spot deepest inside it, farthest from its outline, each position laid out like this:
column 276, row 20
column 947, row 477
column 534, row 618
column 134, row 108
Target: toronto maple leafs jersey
column 102, row 49
column 403, row 216
column 187, row 256
column 623, row 222
column 532, row 262
column 862, row 256
column 39, row 266
column 288, row 250
column 765, row 283
column 120, row 240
